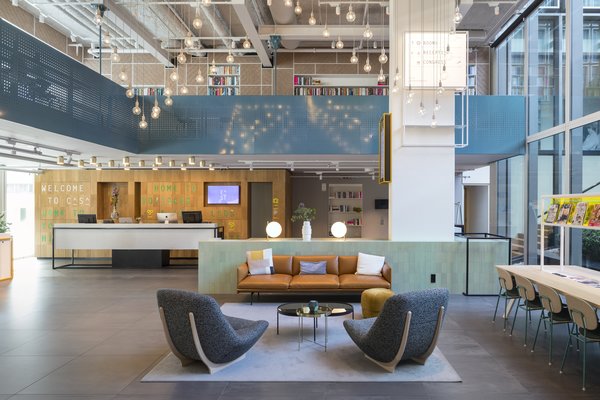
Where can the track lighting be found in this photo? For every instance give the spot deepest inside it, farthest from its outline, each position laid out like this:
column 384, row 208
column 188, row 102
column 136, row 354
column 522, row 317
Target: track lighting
column 171, row 163
column 99, row 166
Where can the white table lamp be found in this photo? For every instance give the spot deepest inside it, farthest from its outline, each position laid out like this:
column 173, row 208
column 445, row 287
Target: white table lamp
column 273, row 229
column 339, row 229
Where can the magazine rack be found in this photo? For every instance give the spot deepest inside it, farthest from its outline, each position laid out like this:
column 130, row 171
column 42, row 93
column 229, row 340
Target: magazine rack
column 568, row 211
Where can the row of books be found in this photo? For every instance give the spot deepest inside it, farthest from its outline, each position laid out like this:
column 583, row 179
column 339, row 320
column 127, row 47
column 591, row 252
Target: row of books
column 224, row 91
column 227, row 70
column 224, row 80
column 581, row 213
column 344, row 208
column 340, row 91
column 347, row 195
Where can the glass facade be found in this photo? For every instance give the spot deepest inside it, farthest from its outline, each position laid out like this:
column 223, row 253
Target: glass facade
column 561, row 80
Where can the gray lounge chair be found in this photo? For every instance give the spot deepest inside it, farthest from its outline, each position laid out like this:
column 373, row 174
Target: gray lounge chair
column 407, row 328
column 196, row 329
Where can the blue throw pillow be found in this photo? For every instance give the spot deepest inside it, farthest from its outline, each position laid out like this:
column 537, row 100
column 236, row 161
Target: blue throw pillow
column 313, row 268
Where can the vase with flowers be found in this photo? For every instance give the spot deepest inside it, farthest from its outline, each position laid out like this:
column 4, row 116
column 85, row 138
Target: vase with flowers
column 114, row 202
column 304, row 214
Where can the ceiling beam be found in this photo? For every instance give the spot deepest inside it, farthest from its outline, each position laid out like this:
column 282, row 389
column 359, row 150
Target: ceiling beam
column 122, row 18
column 246, row 20
column 307, row 32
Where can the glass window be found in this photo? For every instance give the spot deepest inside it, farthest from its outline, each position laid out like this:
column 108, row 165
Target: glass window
column 516, row 68
column 546, row 50
column 510, row 216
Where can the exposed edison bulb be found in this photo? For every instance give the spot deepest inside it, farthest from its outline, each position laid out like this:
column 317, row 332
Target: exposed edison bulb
column 381, row 76
column 98, row 19
column 206, row 2
column 115, row 57
column 288, row 3
column 433, row 121
column 269, row 3
column 168, row 102
column 444, row 75
column 136, row 110
column 197, row 21
column 397, row 75
column 129, row 92
column 199, row 78
column 395, row 89
column 122, row 75
column 229, row 59
column 168, row 91
column 367, row 67
column 312, row 20
column 368, row 33
column 156, row 108
column 333, row 44
column 422, row 110
column 106, row 39
column 383, row 58
column 184, row 90
column 181, row 58
column 339, row 44
column 213, row 68
column 154, row 115
column 246, row 44
column 457, row 16
column 354, row 57
column 189, row 40
column 174, row 76
column 437, row 105
column 440, row 88
column 350, row 15
column 326, row 32
column 143, row 123
column 298, row 8
column 411, row 96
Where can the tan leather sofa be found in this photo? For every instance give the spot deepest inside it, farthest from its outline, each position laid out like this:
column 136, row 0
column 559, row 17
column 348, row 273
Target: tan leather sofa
column 340, row 277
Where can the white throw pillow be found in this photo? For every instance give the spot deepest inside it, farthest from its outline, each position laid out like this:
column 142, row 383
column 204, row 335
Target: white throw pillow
column 368, row 264
column 259, row 267
column 255, row 255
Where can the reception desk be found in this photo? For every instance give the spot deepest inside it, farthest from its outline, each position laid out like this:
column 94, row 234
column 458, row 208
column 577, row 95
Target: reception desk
column 127, row 237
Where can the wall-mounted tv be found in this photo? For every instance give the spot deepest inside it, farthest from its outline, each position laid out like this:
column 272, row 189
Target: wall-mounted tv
column 221, row 193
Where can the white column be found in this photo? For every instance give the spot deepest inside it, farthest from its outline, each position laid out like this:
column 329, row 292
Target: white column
column 421, row 205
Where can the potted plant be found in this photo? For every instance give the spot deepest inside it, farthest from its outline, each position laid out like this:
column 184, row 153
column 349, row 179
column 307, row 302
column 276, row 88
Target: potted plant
column 304, row 214
column 4, row 225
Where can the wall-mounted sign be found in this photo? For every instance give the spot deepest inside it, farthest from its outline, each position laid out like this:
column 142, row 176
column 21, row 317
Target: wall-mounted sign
column 426, row 54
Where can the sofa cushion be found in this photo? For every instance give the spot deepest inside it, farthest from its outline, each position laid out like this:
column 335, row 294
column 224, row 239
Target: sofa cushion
column 332, row 263
column 353, row 281
column 347, row 264
column 266, row 254
column 282, row 264
column 260, row 267
column 369, row 264
column 328, row 281
column 266, row 282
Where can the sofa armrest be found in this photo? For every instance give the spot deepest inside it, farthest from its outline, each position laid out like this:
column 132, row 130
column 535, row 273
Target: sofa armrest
column 242, row 272
column 386, row 272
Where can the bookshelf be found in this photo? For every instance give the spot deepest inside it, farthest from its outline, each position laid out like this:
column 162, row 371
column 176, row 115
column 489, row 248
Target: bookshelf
column 226, row 82
column 472, row 79
column 339, row 85
column 346, row 205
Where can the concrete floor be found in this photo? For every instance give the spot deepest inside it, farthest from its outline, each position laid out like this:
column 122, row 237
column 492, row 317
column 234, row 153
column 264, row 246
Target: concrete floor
column 92, row 334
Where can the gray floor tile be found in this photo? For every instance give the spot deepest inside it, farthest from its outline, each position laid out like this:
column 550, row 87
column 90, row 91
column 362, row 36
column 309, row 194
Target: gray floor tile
column 18, row 372
column 61, row 343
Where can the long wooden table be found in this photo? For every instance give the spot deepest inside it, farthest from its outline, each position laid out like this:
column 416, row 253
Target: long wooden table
column 557, row 277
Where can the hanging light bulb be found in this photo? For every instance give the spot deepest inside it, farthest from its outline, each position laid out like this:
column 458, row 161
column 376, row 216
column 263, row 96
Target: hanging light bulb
column 246, row 44
column 298, row 8
column 395, row 89
column 381, row 76
column 189, row 40
column 181, row 58
column 122, row 75
column 367, row 67
column 354, row 58
column 437, row 105
column 106, row 38
column 440, row 88
column 168, row 91
column 444, row 75
column 350, row 15
column 288, row 3
column 174, row 76
column 339, row 44
column 129, row 92
column 411, row 96
column 338, row 10
column 421, row 109
column 368, row 33
column 199, row 78
column 213, row 68
column 98, row 18
column 383, row 58
column 143, row 123
column 168, row 102
column 184, row 90
column 197, row 21
column 333, row 44
column 156, row 108
column 433, row 121
column 115, row 57
column 312, row 20
column 229, row 59
column 206, row 2
column 136, row 110
column 457, row 16
column 397, row 75
column 269, row 3
column 326, row 33
column 154, row 115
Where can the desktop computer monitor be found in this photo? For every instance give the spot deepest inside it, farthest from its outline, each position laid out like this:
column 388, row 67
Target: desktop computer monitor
column 86, row 218
column 191, row 217
column 164, row 216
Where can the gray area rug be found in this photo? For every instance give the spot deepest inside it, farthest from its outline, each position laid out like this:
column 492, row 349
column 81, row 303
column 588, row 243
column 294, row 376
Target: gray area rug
column 277, row 358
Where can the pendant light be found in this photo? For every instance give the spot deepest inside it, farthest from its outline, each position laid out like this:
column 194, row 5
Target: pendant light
column 99, row 16
column 326, row 33
column 246, row 44
column 168, row 102
column 312, row 20
column 298, row 8
column 457, row 14
column 174, row 75
column 199, row 77
column 350, row 15
column 189, row 40
column 115, row 57
column 213, row 67
column 130, row 92
column 354, row 57
column 197, row 22
column 168, row 91
column 381, row 76
column 143, row 123
column 367, row 67
column 122, row 75
column 339, row 44
column 230, row 59
column 181, row 58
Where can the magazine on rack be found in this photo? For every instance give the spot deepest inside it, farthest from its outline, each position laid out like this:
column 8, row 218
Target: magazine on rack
column 551, row 214
column 594, row 216
column 579, row 214
column 565, row 212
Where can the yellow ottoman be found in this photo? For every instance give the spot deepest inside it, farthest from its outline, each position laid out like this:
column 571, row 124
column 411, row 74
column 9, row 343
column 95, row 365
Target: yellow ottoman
column 372, row 301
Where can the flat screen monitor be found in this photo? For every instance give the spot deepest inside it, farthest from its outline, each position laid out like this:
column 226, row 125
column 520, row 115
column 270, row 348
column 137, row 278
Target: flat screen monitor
column 191, row 217
column 222, row 194
column 86, row 218
column 164, row 216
